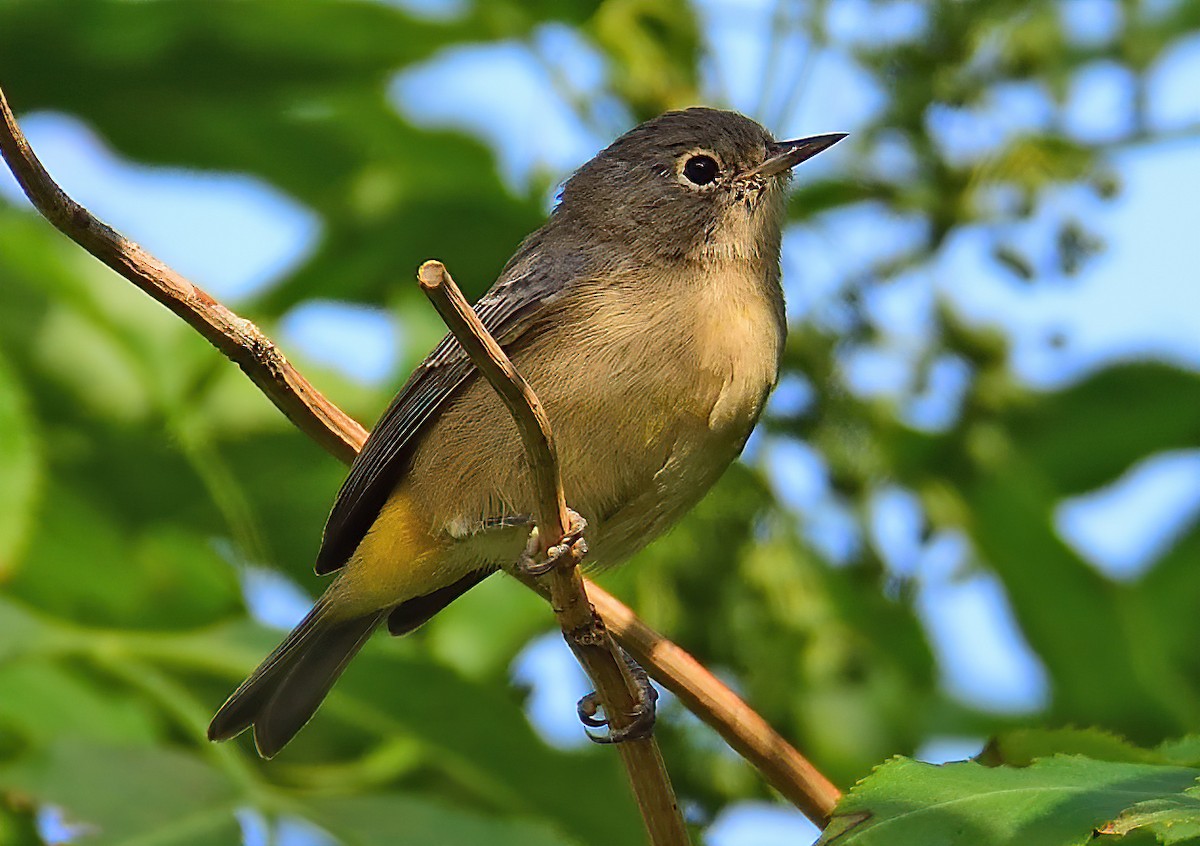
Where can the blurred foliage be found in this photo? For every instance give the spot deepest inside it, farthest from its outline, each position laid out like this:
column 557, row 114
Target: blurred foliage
column 140, row 474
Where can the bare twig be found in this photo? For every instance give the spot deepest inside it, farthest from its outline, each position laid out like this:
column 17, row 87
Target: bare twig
column 242, row 342
column 522, row 403
column 582, row 629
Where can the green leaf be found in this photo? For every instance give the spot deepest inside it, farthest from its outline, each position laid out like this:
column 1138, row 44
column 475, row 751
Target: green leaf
column 1184, row 751
column 1081, row 439
column 83, row 567
column 1059, row 801
column 472, row 734
column 655, row 46
column 408, row 821
column 22, row 632
column 318, row 122
column 1021, row 747
column 20, row 468
column 124, row 795
column 1171, row 821
column 481, row 633
column 18, row 826
column 46, row 700
column 479, row 735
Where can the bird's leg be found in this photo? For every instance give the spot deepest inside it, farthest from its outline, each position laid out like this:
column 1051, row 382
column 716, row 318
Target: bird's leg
column 644, row 711
column 572, row 542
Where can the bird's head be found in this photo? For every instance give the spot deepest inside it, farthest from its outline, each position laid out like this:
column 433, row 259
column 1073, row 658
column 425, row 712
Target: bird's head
column 693, row 185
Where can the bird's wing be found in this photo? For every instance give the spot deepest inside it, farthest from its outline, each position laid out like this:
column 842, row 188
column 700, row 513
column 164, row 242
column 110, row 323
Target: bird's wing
column 507, row 310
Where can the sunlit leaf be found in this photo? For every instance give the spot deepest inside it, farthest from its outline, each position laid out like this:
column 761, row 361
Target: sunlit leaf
column 1173, row 820
column 1059, row 801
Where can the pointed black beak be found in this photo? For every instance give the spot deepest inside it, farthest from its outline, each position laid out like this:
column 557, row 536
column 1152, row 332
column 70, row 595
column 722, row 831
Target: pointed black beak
column 784, row 155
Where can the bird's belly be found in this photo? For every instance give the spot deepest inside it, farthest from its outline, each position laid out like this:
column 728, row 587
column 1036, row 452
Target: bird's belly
column 698, row 405
column 648, row 405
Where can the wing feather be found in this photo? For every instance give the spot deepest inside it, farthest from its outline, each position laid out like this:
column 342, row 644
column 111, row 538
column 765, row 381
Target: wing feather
column 523, row 291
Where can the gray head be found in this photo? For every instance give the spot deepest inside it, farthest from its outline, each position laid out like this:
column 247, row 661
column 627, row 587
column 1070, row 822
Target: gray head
column 692, row 185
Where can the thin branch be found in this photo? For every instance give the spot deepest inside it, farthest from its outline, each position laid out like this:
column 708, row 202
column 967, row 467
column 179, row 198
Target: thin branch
column 583, row 630
column 522, row 403
column 338, row 433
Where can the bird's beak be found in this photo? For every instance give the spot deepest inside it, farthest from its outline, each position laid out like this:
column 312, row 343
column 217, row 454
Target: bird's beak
column 782, row 156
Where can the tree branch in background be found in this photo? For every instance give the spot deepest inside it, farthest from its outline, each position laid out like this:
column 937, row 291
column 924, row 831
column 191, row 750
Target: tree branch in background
column 583, row 630
column 710, row 699
column 338, row 433
column 240, row 340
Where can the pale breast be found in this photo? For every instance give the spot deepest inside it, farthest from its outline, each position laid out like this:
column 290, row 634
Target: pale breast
column 738, row 333
column 651, row 387
column 732, row 340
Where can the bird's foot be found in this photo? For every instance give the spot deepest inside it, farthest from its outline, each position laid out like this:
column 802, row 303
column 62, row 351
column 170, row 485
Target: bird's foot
column 572, row 543
column 642, row 717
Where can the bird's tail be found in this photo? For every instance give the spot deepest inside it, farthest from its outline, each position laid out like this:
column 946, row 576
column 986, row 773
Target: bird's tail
column 288, row 687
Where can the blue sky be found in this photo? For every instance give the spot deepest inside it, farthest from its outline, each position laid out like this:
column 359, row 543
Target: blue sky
column 1140, row 298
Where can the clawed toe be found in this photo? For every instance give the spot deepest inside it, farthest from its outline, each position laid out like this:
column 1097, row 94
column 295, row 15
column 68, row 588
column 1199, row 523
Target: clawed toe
column 572, row 542
column 587, row 708
column 642, row 716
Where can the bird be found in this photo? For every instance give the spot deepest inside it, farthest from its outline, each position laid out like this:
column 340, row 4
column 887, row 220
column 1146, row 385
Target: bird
column 647, row 313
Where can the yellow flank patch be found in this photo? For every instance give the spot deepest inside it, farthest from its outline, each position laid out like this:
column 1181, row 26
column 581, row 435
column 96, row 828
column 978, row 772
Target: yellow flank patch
column 398, row 559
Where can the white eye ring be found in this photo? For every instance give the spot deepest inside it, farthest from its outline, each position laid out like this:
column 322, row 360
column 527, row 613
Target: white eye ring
column 699, row 170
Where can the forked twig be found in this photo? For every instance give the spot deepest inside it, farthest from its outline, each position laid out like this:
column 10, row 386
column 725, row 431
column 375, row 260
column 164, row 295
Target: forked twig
column 241, row 341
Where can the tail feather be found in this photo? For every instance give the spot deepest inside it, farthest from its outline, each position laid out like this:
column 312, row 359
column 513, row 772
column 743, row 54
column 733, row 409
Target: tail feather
column 288, row 687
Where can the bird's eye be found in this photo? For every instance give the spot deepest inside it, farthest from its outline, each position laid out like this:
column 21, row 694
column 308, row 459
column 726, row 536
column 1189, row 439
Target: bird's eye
column 701, row 170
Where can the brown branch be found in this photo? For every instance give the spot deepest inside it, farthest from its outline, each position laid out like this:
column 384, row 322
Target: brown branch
column 583, row 630
column 241, row 341
column 527, row 412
